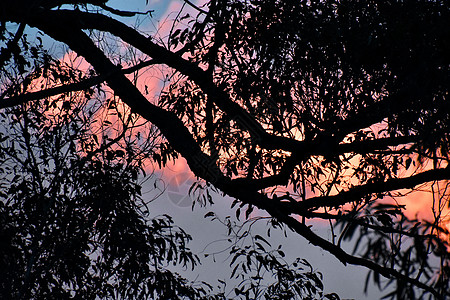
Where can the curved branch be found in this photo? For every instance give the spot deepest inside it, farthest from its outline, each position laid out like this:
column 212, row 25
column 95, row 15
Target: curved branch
column 357, row 192
column 323, row 145
column 168, row 123
column 360, row 147
column 66, row 88
column 346, row 258
column 84, row 20
column 124, row 13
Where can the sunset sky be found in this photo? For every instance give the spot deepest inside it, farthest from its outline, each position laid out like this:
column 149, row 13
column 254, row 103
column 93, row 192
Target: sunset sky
column 347, row 281
column 176, row 179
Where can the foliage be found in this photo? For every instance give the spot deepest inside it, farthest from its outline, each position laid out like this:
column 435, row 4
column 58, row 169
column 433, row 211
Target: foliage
column 324, row 110
column 261, row 270
column 73, row 223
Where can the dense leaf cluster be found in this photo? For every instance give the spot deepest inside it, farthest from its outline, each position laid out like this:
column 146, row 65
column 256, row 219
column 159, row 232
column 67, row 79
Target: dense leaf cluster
column 73, row 223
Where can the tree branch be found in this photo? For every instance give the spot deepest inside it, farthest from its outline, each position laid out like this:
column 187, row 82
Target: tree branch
column 11, row 45
column 66, row 88
column 323, row 145
column 168, row 123
column 196, row 7
column 360, row 147
column 357, row 192
column 358, row 221
column 346, row 258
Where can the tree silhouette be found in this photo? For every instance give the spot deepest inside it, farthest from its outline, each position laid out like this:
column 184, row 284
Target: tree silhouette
column 73, row 223
column 308, row 110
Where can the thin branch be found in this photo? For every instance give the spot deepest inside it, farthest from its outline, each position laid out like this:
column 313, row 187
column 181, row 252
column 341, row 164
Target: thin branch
column 346, row 258
column 67, row 88
column 196, row 7
column 385, row 229
column 23, row 98
column 123, row 13
column 357, row 192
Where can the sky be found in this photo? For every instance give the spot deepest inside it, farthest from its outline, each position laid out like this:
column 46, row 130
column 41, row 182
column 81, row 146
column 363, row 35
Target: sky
column 347, row 282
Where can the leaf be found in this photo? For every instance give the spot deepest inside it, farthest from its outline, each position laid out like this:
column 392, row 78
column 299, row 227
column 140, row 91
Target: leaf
column 176, row 33
column 260, row 238
column 209, row 214
column 408, row 163
column 260, row 247
column 185, row 17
